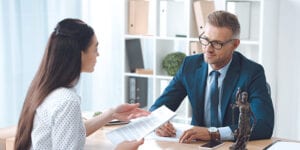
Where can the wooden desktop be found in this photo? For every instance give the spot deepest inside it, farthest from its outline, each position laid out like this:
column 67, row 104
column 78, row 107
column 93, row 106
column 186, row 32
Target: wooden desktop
column 98, row 141
column 7, row 138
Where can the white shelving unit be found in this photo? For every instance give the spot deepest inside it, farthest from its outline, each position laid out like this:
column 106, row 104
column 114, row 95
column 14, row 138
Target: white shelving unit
column 179, row 20
column 249, row 15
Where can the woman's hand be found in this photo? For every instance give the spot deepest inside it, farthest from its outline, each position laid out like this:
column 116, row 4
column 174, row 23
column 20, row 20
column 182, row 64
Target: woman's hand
column 195, row 133
column 126, row 112
column 130, row 145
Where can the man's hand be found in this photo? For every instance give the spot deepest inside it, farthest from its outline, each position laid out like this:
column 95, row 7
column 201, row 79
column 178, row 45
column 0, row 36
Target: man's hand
column 126, row 112
column 195, row 133
column 130, row 145
column 166, row 130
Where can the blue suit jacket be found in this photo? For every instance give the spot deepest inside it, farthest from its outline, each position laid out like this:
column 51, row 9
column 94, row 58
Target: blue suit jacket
column 243, row 73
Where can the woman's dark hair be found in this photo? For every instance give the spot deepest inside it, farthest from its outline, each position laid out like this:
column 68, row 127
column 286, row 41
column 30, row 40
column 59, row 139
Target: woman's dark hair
column 60, row 67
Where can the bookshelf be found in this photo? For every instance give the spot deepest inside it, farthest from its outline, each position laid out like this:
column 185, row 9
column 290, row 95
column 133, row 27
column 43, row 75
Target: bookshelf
column 249, row 15
column 171, row 27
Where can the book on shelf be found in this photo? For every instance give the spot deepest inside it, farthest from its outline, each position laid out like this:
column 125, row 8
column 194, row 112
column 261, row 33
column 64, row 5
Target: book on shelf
column 134, row 54
column 201, row 9
column 137, row 91
column 138, row 11
column 143, row 71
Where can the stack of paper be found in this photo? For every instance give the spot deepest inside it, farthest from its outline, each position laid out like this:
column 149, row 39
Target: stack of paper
column 179, row 127
column 279, row 145
column 140, row 127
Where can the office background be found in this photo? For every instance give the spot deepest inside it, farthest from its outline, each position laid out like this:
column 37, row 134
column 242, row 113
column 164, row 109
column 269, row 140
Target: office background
column 26, row 25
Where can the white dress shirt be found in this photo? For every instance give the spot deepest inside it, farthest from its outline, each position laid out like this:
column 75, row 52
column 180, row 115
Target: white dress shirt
column 58, row 123
column 225, row 132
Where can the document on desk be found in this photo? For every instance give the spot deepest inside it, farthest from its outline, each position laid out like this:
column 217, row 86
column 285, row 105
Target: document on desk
column 180, row 128
column 279, row 145
column 140, row 127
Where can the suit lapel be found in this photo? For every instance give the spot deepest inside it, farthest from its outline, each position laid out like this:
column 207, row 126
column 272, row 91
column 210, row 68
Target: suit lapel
column 201, row 75
column 229, row 84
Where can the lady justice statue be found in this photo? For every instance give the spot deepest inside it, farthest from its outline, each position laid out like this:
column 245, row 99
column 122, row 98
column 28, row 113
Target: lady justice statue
column 242, row 133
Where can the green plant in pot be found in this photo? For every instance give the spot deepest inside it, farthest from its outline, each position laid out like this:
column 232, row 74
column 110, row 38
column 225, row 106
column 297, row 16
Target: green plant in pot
column 172, row 62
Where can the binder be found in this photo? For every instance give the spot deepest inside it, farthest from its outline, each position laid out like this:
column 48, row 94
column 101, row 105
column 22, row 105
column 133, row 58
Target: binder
column 134, row 54
column 137, row 91
column 172, row 19
column 163, row 18
column 195, row 48
column 138, row 16
column 201, row 9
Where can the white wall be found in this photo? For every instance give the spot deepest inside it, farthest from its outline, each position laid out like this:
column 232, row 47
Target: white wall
column 106, row 17
column 24, row 30
column 288, row 81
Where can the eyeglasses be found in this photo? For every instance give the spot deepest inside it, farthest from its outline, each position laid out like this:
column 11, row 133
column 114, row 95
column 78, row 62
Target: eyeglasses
column 215, row 44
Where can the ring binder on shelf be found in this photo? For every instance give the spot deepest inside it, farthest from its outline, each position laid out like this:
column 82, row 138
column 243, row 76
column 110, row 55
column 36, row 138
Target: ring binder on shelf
column 138, row 91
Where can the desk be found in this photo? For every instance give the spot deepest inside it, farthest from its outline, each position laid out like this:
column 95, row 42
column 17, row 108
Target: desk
column 7, row 137
column 98, row 141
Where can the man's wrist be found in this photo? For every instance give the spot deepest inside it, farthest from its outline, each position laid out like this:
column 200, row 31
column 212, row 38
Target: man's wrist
column 214, row 134
column 226, row 133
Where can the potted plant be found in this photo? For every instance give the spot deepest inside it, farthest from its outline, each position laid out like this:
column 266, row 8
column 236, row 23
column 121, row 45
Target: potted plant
column 172, row 62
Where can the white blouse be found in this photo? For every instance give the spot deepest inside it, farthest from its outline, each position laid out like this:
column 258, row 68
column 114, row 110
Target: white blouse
column 58, row 123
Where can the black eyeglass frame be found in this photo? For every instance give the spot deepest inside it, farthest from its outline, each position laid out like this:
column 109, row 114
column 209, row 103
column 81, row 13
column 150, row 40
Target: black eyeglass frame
column 213, row 43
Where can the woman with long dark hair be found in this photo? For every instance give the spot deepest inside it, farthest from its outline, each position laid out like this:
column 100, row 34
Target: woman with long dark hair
column 51, row 116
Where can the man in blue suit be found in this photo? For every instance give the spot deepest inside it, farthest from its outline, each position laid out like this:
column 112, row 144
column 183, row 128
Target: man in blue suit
column 219, row 40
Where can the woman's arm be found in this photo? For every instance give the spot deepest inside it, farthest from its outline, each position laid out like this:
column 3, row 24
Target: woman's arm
column 98, row 121
column 124, row 112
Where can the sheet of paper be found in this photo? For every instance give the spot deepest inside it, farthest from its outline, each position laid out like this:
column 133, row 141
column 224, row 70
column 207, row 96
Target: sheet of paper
column 180, row 128
column 140, row 127
column 285, row 145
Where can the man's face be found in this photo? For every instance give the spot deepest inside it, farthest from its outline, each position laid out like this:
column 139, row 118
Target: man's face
column 218, row 57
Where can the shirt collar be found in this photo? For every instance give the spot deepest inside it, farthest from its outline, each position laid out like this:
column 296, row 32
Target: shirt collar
column 222, row 71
